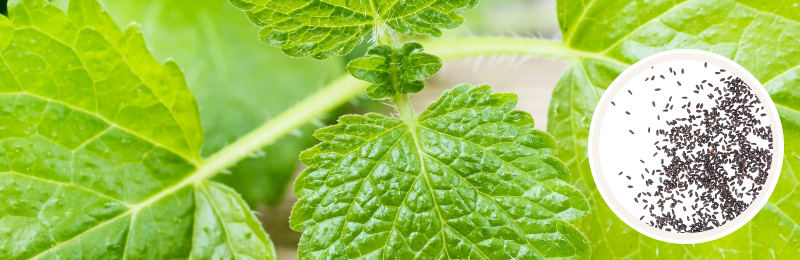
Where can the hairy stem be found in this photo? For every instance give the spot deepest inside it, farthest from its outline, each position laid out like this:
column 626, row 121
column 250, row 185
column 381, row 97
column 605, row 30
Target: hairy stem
column 454, row 48
column 337, row 93
column 405, row 109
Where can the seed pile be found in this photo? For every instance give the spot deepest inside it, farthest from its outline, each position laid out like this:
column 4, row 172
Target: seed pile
column 709, row 163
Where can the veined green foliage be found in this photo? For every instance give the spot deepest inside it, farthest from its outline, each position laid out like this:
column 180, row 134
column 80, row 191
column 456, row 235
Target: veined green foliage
column 469, row 178
column 394, row 70
column 100, row 144
column 762, row 36
column 322, row 28
column 236, row 81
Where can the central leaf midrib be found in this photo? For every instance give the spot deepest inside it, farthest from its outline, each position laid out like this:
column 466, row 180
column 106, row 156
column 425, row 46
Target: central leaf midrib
column 413, row 125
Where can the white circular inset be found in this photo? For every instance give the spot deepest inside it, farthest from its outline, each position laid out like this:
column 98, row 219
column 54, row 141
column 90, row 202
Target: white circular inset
column 686, row 146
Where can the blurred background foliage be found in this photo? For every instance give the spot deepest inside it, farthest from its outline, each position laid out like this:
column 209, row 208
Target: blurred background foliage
column 240, row 83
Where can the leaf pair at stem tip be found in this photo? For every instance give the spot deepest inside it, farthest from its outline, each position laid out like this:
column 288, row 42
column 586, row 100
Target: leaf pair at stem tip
column 394, row 70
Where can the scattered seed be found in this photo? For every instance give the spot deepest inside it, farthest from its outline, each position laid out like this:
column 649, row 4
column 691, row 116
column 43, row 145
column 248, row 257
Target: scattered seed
column 693, row 151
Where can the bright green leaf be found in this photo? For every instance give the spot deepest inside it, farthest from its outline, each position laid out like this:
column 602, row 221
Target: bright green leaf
column 392, row 71
column 762, row 36
column 322, row 29
column 100, row 147
column 237, row 84
column 468, row 178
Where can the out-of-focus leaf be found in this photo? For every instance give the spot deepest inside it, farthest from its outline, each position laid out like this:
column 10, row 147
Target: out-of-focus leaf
column 100, row 148
column 470, row 178
column 394, row 70
column 322, row 29
column 762, row 36
column 239, row 82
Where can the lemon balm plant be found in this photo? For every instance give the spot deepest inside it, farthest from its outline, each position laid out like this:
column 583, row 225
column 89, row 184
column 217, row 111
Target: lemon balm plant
column 101, row 144
column 102, row 149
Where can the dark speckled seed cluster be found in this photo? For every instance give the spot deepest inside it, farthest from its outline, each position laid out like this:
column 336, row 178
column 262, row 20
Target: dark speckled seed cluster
column 710, row 155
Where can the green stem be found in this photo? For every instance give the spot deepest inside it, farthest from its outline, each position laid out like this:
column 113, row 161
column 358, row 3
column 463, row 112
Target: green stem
column 454, row 48
column 337, row 93
column 405, row 109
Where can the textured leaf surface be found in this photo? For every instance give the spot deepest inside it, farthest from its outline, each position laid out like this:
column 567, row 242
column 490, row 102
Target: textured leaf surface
column 470, row 178
column 237, row 84
column 100, row 147
column 762, row 36
column 391, row 71
column 325, row 28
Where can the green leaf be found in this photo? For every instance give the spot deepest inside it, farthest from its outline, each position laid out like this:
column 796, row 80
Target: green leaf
column 762, row 36
column 237, row 84
column 468, row 178
column 100, row 147
column 394, row 71
column 322, row 29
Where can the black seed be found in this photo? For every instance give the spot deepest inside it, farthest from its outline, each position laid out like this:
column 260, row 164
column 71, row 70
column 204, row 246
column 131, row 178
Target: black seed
column 629, row 92
column 626, row 112
column 705, row 65
column 679, row 83
column 658, row 89
column 612, row 102
column 662, row 77
column 630, row 131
